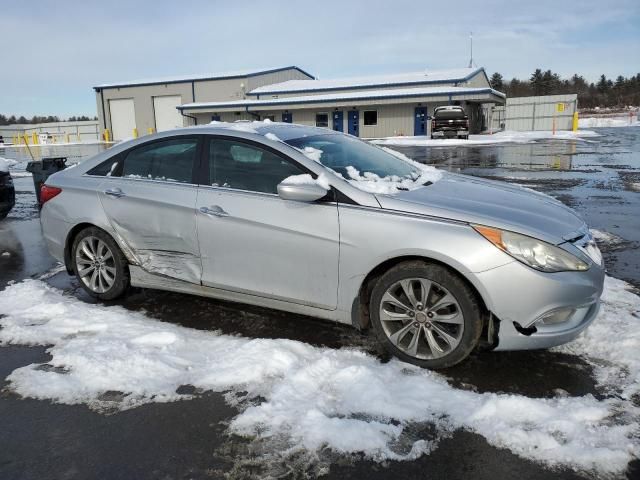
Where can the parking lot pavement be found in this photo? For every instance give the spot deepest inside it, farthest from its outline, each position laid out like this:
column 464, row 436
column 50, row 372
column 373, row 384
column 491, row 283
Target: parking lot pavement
column 191, row 438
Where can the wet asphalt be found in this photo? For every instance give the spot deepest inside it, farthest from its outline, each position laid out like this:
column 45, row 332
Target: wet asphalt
column 599, row 178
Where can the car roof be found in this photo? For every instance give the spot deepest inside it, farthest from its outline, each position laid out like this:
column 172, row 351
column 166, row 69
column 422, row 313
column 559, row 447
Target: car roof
column 284, row 131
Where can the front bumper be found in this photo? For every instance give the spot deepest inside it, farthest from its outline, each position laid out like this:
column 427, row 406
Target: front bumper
column 520, row 297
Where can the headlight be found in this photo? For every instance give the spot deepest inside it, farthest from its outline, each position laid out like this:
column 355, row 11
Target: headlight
column 535, row 253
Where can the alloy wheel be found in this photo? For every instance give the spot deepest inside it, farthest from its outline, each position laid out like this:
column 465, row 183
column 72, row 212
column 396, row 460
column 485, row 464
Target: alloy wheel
column 421, row 318
column 95, row 264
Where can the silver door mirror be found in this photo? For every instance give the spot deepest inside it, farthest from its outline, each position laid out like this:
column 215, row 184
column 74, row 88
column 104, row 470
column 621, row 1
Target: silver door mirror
column 301, row 192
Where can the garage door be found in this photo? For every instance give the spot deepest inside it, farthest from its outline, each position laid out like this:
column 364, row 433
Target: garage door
column 166, row 113
column 123, row 118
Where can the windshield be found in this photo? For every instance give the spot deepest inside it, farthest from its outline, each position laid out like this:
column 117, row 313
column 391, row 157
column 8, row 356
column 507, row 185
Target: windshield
column 342, row 154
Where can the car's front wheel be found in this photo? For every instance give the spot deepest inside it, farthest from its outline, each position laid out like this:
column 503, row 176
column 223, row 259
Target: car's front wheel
column 99, row 264
column 425, row 315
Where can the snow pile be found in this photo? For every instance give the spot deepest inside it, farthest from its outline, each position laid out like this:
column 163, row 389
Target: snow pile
column 617, row 362
column 273, row 136
column 606, row 237
column 307, row 179
column 306, row 398
column 6, row 163
column 485, row 139
column 312, row 153
column 599, row 122
column 372, row 183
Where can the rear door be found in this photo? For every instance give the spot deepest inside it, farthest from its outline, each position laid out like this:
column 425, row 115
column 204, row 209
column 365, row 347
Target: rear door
column 254, row 242
column 150, row 202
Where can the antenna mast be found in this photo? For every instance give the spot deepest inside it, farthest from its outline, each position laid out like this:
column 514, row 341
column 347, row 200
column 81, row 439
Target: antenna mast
column 471, row 43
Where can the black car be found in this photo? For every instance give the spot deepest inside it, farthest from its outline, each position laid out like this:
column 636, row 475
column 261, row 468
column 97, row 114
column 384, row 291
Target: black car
column 7, row 193
column 450, row 122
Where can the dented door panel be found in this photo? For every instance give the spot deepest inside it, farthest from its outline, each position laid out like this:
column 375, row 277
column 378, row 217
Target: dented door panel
column 156, row 221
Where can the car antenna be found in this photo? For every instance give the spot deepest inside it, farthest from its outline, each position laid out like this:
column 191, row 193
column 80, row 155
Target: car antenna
column 471, row 45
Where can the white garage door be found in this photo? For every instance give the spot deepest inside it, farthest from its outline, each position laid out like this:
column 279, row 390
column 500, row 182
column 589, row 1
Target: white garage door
column 167, row 115
column 123, row 118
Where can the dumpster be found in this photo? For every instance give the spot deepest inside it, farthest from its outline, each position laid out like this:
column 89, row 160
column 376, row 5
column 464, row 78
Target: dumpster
column 43, row 169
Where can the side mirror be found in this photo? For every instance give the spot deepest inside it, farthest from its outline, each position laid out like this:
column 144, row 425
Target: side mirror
column 301, row 192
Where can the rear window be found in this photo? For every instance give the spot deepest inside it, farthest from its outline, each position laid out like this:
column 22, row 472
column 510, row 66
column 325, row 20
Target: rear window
column 450, row 114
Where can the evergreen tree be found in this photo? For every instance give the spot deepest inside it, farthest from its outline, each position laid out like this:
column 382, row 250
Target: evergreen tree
column 497, row 82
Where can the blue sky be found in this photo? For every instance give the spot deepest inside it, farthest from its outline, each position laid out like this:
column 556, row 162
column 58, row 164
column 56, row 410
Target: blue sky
column 54, row 52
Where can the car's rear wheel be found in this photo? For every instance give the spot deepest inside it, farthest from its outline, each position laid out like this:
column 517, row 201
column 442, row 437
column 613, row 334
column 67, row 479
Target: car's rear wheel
column 99, row 264
column 425, row 315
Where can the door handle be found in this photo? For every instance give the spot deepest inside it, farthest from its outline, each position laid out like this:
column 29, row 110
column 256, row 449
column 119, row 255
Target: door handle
column 114, row 192
column 214, row 211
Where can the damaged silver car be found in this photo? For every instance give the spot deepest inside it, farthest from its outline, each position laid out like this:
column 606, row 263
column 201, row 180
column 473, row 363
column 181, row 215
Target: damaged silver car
column 315, row 222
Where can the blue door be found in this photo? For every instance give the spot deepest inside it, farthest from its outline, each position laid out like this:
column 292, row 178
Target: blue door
column 420, row 121
column 287, row 117
column 338, row 121
column 215, row 118
column 354, row 121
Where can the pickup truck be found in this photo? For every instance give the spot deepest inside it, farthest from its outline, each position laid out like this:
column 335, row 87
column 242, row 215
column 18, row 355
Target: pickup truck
column 450, row 122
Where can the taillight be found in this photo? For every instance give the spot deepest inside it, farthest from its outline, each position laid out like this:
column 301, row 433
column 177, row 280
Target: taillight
column 433, row 124
column 47, row 193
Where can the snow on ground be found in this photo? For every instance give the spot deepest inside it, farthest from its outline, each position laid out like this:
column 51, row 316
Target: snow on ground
column 597, row 122
column 496, row 138
column 306, row 399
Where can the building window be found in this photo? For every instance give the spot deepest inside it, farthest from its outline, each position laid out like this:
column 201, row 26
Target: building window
column 322, row 120
column 370, row 118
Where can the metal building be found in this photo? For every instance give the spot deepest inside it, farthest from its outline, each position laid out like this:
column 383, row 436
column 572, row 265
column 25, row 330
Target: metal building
column 369, row 107
column 129, row 109
column 547, row 112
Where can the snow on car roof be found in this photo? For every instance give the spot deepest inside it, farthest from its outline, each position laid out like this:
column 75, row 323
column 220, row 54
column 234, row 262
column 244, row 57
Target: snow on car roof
column 411, row 78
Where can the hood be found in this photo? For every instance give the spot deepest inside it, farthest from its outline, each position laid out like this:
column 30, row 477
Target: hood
column 492, row 203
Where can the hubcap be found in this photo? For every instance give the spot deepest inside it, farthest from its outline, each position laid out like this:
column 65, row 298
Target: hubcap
column 96, row 265
column 421, row 318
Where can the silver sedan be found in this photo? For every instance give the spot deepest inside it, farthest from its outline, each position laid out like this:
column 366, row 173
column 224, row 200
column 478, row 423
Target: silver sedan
column 316, row 222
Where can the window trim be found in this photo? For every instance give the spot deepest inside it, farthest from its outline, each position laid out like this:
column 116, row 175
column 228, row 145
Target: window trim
column 322, row 113
column 364, row 123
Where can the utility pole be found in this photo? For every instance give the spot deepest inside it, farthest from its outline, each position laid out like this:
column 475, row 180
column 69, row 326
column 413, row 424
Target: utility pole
column 471, row 43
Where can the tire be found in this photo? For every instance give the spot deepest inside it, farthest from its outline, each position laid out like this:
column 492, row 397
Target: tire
column 455, row 334
column 111, row 279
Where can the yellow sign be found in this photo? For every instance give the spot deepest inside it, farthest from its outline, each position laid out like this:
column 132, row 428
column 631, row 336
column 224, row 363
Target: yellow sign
column 560, row 107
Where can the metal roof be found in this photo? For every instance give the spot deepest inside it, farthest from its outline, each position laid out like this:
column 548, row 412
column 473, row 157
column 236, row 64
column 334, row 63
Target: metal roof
column 347, row 96
column 201, row 77
column 398, row 79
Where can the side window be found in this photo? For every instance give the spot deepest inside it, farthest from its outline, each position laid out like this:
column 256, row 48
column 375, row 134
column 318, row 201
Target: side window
column 170, row 160
column 106, row 168
column 244, row 166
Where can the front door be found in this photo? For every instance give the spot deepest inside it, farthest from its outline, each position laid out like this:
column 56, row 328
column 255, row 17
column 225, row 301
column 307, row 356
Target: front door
column 254, row 242
column 150, row 201
column 420, row 121
column 354, row 122
column 287, row 117
column 338, row 121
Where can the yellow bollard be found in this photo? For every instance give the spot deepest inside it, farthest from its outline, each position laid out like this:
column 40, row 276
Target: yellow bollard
column 135, row 133
column 26, row 139
column 150, row 131
column 68, row 140
column 107, row 135
column 575, row 122
column 34, row 138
